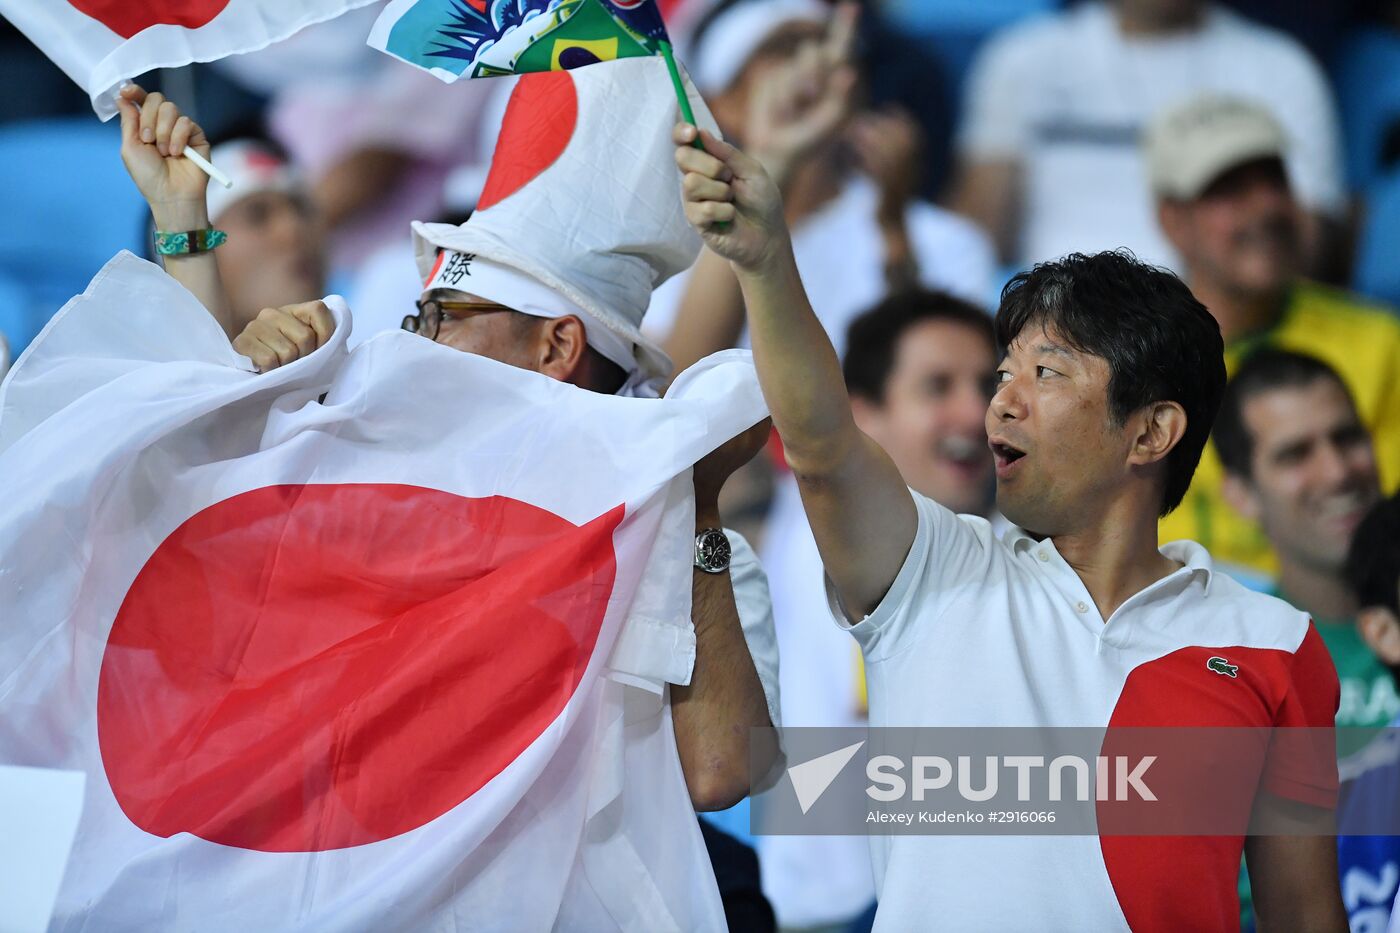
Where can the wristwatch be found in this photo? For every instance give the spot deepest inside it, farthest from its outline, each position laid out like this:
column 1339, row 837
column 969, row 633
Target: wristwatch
column 712, row 551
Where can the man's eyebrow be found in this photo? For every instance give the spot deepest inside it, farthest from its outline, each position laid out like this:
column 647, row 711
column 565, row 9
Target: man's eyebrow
column 1054, row 349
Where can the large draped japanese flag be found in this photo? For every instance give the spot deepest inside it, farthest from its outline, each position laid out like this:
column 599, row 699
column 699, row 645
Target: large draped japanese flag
column 346, row 646
column 103, row 43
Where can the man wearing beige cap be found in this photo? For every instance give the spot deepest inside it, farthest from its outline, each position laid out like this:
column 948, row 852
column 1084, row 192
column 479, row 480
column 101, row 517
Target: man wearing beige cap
column 1225, row 201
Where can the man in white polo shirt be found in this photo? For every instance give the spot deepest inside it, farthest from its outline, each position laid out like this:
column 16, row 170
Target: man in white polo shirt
column 1111, row 378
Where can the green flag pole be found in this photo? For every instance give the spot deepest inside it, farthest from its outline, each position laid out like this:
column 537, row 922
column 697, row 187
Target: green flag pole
column 687, row 114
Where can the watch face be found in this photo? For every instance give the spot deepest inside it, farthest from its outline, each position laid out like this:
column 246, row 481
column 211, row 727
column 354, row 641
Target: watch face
column 712, row 551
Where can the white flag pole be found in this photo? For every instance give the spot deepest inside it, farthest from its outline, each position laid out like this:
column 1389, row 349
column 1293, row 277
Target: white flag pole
column 208, row 167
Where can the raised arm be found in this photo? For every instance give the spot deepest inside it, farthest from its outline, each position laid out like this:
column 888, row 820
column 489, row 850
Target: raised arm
column 861, row 512
column 154, row 138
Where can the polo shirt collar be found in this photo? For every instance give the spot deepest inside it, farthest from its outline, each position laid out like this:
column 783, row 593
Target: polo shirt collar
column 1195, row 559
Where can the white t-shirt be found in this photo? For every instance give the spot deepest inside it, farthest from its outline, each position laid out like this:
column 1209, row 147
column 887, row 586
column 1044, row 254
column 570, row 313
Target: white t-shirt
column 977, row 631
column 840, row 256
column 1067, row 96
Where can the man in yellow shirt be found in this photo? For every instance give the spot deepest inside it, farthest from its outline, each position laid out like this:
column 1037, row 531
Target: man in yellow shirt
column 1223, row 198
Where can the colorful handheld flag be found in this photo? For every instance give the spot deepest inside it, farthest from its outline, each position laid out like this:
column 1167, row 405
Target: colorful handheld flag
column 487, row 38
column 101, row 44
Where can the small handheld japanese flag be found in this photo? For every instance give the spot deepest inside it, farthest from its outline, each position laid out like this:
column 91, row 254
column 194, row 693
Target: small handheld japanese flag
column 102, row 43
column 341, row 647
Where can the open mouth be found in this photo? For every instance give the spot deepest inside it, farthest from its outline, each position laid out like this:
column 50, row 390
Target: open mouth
column 1006, row 456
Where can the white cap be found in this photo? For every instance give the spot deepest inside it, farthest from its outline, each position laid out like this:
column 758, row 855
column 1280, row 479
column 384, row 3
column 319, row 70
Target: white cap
column 1191, row 144
column 254, row 168
column 582, row 201
column 732, row 37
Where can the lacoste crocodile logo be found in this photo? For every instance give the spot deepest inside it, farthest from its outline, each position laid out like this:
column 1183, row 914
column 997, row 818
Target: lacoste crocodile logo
column 1222, row 666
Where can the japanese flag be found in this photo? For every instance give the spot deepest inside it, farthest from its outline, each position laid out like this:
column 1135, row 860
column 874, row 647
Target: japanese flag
column 345, row 646
column 103, row 43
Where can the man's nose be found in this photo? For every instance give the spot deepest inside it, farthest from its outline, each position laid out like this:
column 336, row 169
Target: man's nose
column 1272, row 197
column 1334, row 468
column 291, row 227
column 1007, row 403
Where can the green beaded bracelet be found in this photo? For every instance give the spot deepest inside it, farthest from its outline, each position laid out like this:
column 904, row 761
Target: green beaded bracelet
column 188, row 242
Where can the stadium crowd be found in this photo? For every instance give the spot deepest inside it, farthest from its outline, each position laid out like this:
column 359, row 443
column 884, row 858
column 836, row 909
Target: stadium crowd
column 1251, row 149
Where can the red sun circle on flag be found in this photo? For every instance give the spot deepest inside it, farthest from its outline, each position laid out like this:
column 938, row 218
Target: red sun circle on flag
column 128, row 17
column 539, row 122
column 305, row 668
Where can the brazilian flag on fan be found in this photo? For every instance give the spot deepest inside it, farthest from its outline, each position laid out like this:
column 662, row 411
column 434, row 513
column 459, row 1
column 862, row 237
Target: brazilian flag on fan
column 487, row 38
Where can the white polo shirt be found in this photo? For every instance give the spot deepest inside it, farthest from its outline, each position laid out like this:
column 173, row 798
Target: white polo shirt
column 977, row 631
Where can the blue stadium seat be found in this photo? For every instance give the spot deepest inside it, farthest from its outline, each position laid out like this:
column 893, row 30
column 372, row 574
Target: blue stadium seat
column 1377, row 271
column 1367, row 79
column 68, row 207
column 962, row 15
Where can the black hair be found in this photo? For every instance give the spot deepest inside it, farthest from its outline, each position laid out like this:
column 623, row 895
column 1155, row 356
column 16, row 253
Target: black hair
column 1372, row 569
column 1262, row 371
column 1160, row 343
column 872, row 338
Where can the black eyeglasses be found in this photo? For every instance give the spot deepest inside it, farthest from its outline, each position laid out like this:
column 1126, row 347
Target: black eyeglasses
column 428, row 321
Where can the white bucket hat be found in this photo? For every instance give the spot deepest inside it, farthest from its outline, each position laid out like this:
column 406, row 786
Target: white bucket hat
column 583, row 201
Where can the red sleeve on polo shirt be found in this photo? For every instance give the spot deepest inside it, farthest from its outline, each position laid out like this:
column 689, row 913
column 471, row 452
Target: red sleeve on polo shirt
column 1302, row 762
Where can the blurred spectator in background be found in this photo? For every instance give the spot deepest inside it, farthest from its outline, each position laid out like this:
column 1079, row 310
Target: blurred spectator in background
column 1225, row 202
column 275, row 254
column 1049, row 144
column 1299, row 462
column 904, row 74
column 850, row 180
column 1368, row 812
column 384, row 287
column 375, row 139
column 919, row 368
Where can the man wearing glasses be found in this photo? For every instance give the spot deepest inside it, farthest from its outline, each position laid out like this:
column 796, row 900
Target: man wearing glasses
column 522, row 313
